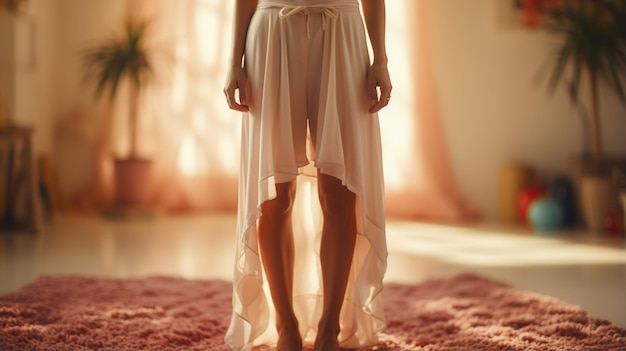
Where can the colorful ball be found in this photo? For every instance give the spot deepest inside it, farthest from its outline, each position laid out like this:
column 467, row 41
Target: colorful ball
column 526, row 197
column 561, row 189
column 546, row 215
column 614, row 223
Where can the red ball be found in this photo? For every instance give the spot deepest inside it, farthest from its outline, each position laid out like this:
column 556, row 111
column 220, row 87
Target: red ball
column 527, row 197
column 614, row 223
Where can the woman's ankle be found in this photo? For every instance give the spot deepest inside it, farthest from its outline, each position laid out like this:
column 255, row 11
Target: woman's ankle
column 288, row 325
column 325, row 327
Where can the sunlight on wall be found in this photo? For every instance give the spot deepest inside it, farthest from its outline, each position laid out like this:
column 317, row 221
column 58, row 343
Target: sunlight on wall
column 179, row 87
column 204, row 129
column 397, row 125
column 207, row 22
column 190, row 160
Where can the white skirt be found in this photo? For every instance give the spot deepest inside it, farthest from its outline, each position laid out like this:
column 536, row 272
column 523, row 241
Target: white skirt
column 306, row 62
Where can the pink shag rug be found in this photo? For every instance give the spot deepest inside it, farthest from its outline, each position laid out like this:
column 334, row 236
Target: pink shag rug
column 467, row 312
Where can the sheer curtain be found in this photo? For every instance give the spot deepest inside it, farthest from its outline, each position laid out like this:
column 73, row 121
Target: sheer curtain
column 420, row 182
column 194, row 138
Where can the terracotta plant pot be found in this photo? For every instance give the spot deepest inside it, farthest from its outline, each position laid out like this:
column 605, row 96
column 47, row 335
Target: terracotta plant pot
column 599, row 198
column 133, row 181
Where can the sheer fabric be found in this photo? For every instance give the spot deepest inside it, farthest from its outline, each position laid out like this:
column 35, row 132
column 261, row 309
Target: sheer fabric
column 308, row 61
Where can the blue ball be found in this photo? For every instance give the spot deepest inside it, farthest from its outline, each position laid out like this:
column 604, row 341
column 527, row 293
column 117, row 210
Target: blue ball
column 561, row 189
column 546, row 215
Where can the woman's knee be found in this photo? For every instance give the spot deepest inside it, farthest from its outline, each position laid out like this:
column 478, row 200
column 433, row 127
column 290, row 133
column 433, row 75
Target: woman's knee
column 336, row 199
column 283, row 203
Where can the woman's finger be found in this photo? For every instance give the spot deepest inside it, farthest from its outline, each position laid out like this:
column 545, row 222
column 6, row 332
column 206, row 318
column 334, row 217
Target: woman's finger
column 232, row 102
column 230, row 93
column 242, row 96
column 382, row 100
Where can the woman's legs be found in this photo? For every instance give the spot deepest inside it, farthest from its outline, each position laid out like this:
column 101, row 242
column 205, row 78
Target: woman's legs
column 277, row 252
column 337, row 249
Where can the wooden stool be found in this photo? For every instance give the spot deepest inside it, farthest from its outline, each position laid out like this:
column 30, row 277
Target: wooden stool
column 20, row 205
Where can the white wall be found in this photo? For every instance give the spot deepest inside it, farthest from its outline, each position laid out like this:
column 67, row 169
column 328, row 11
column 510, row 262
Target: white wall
column 40, row 64
column 35, row 68
column 7, row 58
column 81, row 23
column 494, row 110
column 27, row 66
column 41, row 74
column 26, row 76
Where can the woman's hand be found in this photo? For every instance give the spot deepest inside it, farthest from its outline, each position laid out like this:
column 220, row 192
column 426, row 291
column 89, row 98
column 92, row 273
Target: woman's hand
column 236, row 81
column 378, row 77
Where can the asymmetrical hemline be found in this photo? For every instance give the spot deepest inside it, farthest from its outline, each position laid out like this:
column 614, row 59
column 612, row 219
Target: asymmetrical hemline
column 306, row 62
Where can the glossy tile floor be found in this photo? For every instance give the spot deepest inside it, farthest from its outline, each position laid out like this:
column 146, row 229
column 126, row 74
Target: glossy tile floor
column 577, row 267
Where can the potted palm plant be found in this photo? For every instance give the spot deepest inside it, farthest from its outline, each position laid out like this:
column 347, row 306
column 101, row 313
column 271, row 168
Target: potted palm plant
column 109, row 64
column 592, row 45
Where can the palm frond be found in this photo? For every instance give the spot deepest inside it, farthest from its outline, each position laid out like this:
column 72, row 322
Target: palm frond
column 108, row 63
column 564, row 56
column 594, row 38
column 578, row 63
column 593, row 34
column 120, row 58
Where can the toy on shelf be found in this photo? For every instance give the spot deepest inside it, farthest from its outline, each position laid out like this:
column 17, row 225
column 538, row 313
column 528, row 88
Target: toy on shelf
column 526, row 197
column 546, row 215
column 562, row 191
